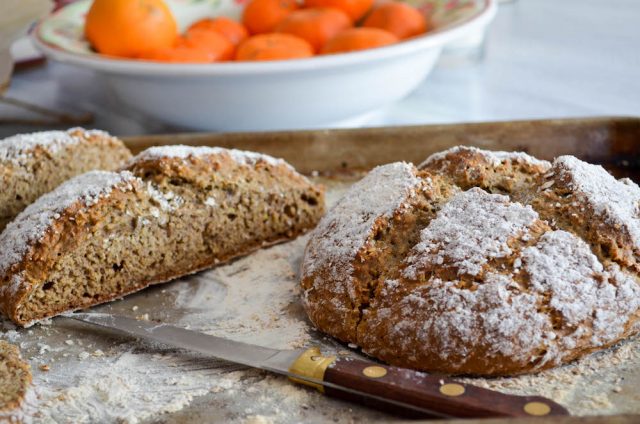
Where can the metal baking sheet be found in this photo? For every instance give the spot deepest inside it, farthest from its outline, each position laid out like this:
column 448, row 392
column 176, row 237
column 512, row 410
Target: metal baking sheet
column 86, row 375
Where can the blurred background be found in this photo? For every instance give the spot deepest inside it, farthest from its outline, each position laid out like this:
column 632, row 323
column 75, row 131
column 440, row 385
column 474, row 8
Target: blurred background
column 538, row 59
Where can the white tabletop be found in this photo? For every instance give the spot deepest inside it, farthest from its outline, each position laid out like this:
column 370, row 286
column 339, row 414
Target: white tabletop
column 543, row 58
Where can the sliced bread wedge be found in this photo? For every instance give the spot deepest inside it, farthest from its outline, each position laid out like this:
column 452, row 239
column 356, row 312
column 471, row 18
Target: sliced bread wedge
column 173, row 211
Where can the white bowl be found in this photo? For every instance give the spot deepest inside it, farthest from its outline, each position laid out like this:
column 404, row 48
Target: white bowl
column 245, row 96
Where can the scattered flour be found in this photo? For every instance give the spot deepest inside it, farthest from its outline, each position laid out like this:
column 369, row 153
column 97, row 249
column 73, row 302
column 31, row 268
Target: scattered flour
column 258, row 419
column 127, row 387
column 247, row 295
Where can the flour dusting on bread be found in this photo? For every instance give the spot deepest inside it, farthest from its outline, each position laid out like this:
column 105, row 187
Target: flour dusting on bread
column 594, row 304
column 346, row 228
column 510, row 323
column 470, row 230
column 616, row 202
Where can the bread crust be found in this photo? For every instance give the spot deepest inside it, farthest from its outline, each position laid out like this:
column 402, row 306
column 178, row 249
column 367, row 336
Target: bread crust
column 471, row 269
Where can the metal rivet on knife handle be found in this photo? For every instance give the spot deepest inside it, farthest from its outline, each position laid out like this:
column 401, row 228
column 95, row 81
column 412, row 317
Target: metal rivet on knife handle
column 311, row 364
column 452, row 389
column 537, row 408
column 374, row 371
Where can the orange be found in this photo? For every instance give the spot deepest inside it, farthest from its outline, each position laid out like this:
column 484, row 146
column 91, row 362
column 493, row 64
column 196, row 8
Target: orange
column 130, row 28
column 316, row 25
column 356, row 9
column 179, row 54
column 353, row 39
column 274, row 47
column 230, row 29
column 262, row 16
column 398, row 18
column 211, row 41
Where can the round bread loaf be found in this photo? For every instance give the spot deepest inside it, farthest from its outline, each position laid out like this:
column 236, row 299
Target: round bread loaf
column 477, row 262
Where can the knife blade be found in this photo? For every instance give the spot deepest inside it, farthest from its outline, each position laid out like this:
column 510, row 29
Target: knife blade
column 392, row 389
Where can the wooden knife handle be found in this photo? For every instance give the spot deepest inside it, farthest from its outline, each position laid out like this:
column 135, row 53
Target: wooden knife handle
column 442, row 396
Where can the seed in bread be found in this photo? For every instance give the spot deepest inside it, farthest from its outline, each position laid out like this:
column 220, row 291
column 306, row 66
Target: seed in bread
column 15, row 382
column 34, row 164
column 484, row 263
column 173, row 211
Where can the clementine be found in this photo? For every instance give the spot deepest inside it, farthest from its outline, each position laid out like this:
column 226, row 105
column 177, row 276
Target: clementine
column 213, row 42
column 398, row 18
column 262, row 16
column 273, row 47
column 179, row 54
column 356, row 9
column 354, row 39
column 316, row 25
column 130, row 28
column 233, row 31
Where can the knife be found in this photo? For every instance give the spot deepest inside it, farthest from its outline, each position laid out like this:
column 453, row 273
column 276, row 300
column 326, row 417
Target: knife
column 392, row 389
